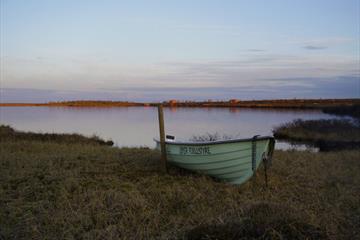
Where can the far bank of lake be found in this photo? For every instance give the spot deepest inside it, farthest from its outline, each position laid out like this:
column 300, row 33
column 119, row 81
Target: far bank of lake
column 233, row 103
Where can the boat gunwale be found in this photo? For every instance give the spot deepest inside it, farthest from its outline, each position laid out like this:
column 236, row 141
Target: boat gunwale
column 259, row 138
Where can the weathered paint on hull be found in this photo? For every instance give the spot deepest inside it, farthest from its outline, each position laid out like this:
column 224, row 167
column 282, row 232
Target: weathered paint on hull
column 231, row 161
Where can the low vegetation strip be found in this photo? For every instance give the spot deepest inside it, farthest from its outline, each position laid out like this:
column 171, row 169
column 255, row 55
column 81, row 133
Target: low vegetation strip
column 53, row 190
column 329, row 134
column 9, row 134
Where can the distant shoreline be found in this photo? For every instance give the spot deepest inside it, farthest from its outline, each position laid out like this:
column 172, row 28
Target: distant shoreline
column 279, row 103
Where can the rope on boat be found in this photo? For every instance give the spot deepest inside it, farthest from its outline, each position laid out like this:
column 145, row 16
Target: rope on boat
column 267, row 159
column 253, row 153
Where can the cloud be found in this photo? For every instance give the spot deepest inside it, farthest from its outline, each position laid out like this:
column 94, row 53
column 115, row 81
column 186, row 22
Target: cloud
column 250, row 69
column 256, row 50
column 321, row 43
column 329, row 41
column 272, row 88
column 207, row 27
column 311, row 47
column 231, row 30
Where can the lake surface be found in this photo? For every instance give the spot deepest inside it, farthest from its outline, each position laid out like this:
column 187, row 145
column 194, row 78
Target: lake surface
column 137, row 126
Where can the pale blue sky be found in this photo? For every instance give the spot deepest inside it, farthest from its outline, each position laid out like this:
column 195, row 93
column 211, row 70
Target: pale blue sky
column 153, row 50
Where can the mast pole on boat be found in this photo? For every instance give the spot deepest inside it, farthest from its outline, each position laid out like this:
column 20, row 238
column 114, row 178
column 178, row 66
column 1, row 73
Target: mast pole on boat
column 162, row 137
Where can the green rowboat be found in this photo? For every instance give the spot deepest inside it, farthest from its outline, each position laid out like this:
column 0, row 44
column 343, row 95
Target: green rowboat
column 234, row 161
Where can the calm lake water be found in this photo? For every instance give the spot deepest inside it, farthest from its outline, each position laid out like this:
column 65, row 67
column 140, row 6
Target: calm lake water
column 137, row 126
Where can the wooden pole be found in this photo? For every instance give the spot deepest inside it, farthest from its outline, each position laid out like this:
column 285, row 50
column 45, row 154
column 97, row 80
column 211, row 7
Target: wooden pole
column 162, row 137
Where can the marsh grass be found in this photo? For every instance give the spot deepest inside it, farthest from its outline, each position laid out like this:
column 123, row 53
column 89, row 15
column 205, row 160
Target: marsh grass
column 328, row 135
column 9, row 134
column 54, row 190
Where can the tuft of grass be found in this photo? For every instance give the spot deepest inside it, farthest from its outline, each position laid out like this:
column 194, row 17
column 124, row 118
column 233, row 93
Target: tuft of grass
column 328, row 135
column 210, row 137
column 54, row 190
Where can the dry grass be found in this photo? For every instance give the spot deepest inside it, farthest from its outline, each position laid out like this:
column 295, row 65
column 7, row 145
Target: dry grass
column 53, row 190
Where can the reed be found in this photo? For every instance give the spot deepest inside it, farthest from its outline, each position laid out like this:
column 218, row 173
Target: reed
column 328, row 135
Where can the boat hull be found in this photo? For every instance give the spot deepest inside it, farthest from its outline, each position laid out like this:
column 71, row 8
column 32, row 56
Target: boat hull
column 233, row 161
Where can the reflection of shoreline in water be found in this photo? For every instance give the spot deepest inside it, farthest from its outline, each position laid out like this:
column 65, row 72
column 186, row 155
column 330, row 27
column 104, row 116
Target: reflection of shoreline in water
column 234, row 110
column 172, row 109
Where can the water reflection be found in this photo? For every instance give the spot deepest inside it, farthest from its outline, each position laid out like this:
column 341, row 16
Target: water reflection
column 136, row 126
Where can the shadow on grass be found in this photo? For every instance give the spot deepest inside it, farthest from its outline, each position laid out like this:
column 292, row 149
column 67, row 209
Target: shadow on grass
column 261, row 220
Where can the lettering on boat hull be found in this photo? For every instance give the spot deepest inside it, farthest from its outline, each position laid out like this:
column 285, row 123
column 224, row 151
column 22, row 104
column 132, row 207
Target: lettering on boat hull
column 194, row 150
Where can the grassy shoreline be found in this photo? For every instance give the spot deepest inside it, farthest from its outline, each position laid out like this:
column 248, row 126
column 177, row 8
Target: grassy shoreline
column 327, row 135
column 50, row 189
